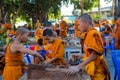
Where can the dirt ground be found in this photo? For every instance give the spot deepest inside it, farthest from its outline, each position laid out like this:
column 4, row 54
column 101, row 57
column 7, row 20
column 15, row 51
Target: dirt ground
column 39, row 72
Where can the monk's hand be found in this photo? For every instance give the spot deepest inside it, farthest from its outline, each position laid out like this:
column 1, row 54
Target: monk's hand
column 73, row 70
column 76, row 56
column 46, row 63
column 38, row 55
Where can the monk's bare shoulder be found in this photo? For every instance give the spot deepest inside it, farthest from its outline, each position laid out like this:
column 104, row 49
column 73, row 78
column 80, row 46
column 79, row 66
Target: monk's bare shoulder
column 15, row 47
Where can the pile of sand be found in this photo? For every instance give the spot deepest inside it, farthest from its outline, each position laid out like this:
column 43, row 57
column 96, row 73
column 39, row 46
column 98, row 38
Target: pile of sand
column 39, row 72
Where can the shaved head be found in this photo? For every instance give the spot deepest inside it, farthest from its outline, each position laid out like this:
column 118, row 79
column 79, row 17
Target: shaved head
column 22, row 30
column 86, row 18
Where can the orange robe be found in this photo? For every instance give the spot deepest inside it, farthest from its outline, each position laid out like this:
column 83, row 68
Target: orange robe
column 37, row 60
column 76, row 28
column 1, row 31
column 64, row 31
column 97, row 68
column 117, row 38
column 38, row 34
column 38, row 24
column 55, row 27
column 56, row 50
column 10, row 32
column 108, row 30
column 14, row 65
column 97, row 25
column 7, row 26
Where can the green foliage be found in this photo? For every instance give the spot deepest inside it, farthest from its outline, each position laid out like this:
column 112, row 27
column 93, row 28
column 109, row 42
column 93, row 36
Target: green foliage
column 35, row 9
column 86, row 4
column 95, row 17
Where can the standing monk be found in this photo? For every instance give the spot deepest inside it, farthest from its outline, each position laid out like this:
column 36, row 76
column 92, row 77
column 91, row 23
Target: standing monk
column 76, row 27
column 38, row 24
column 63, row 28
column 93, row 60
column 14, row 65
column 38, row 31
column 117, row 34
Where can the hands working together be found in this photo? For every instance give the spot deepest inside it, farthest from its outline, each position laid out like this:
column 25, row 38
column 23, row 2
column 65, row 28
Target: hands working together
column 74, row 69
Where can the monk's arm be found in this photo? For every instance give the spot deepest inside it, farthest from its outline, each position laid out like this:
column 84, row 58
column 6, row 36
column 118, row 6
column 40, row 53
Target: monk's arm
column 25, row 50
column 52, row 60
column 90, row 58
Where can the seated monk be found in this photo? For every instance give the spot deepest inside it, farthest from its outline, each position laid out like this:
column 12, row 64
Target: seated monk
column 93, row 59
column 63, row 28
column 14, row 65
column 55, row 48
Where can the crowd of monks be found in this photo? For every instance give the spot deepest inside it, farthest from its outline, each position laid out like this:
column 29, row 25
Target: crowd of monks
column 48, row 39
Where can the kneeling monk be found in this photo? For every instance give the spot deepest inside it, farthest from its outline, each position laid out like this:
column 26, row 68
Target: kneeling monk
column 14, row 65
column 93, row 60
column 55, row 48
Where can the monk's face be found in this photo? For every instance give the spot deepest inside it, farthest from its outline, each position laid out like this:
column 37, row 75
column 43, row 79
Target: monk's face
column 49, row 39
column 83, row 26
column 37, row 21
column 24, row 37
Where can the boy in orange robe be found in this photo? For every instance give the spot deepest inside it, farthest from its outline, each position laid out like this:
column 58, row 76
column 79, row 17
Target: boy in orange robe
column 38, row 33
column 55, row 48
column 63, row 28
column 14, row 65
column 93, row 60
column 38, row 24
column 77, row 33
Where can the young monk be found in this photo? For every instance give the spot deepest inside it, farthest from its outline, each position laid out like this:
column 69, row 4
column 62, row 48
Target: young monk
column 77, row 33
column 38, row 33
column 63, row 28
column 93, row 59
column 55, row 48
column 38, row 24
column 14, row 65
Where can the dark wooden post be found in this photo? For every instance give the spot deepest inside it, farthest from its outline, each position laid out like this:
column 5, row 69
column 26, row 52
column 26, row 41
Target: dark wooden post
column 117, row 8
column 1, row 12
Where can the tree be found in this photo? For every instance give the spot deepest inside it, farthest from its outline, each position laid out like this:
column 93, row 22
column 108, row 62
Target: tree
column 99, row 12
column 1, row 12
column 34, row 9
column 40, row 9
column 12, row 8
column 83, row 4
